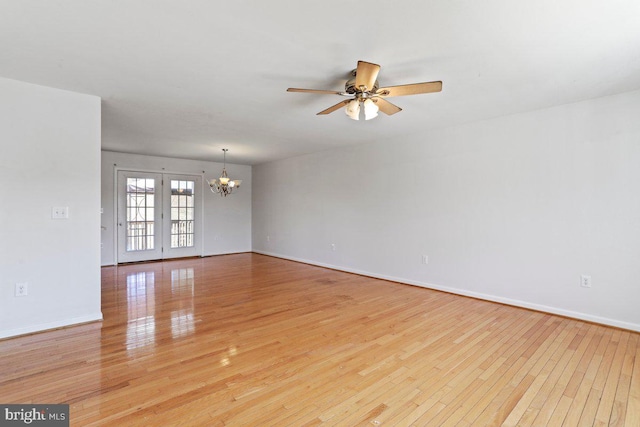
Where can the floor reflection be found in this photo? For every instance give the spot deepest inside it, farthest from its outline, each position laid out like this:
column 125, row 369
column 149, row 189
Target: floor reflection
column 159, row 304
column 225, row 359
column 141, row 328
column 182, row 322
column 182, row 281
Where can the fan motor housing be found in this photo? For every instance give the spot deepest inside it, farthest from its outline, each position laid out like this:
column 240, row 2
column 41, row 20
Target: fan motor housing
column 350, row 87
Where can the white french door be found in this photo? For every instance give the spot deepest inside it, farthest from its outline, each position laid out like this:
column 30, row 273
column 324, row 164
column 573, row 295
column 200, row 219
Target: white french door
column 157, row 216
column 139, row 216
column 180, row 214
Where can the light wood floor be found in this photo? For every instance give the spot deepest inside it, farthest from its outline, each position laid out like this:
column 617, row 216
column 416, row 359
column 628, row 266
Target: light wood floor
column 249, row 340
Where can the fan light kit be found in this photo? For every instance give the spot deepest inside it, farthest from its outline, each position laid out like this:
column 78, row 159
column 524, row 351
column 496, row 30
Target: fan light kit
column 366, row 95
column 224, row 185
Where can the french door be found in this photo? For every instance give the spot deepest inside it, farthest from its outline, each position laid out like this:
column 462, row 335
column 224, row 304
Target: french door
column 181, row 217
column 157, row 216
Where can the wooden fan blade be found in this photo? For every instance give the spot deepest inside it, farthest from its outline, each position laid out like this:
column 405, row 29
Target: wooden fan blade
column 412, row 89
column 366, row 75
column 386, row 107
column 334, row 107
column 329, row 92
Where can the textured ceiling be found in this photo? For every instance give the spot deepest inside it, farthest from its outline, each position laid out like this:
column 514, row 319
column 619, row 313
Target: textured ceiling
column 187, row 78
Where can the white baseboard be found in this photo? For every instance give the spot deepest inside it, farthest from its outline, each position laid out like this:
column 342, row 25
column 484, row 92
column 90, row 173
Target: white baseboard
column 50, row 325
column 112, row 264
column 517, row 303
column 224, row 253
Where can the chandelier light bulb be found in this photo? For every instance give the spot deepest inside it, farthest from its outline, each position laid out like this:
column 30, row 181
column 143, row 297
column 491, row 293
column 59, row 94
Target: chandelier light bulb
column 353, row 109
column 370, row 109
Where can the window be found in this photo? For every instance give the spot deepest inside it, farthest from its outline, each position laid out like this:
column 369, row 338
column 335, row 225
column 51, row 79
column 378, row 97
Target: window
column 140, row 211
column 182, row 213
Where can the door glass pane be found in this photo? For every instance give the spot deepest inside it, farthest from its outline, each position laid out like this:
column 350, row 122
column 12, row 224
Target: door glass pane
column 182, row 213
column 140, row 204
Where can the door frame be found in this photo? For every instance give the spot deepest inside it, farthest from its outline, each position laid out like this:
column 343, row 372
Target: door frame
column 199, row 200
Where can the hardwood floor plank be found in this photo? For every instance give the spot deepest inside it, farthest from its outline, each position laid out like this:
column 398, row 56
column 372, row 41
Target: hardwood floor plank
column 579, row 403
column 248, row 339
column 543, row 405
column 520, row 379
column 632, row 417
column 605, row 408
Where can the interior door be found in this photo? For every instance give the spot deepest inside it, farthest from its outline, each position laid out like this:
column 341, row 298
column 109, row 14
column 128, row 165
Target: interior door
column 139, row 216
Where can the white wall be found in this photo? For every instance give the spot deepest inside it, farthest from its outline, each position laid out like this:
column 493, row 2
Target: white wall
column 226, row 222
column 50, row 156
column 512, row 209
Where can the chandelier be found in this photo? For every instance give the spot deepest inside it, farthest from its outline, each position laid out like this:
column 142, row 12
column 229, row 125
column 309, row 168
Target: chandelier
column 223, row 185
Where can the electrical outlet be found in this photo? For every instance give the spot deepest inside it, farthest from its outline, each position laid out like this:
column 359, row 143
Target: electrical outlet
column 60, row 212
column 333, row 247
column 268, row 238
column 425, row 259
column 22, row 289
column 585, row 281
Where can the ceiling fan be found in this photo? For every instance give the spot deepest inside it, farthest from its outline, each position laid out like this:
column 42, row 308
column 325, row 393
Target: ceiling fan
column 363, row 89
